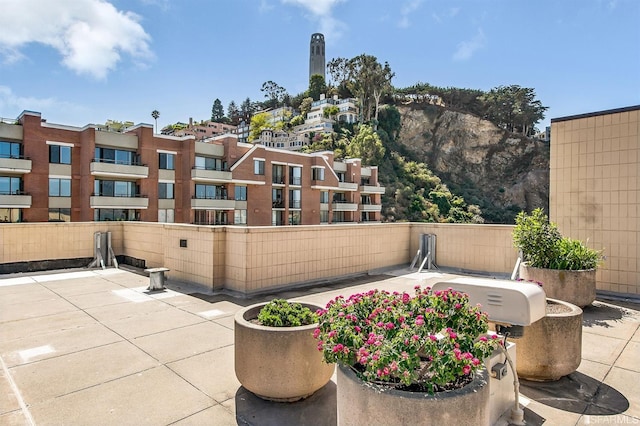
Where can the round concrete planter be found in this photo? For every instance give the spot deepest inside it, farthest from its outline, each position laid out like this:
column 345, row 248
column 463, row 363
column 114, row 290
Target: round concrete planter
column 362, row 403
column 278, row 363
column 552, row 346
column 575, row 287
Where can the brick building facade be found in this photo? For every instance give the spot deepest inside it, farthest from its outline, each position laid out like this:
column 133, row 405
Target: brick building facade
column 52, row 172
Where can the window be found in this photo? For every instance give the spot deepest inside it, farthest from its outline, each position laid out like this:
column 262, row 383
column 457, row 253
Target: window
column 340, row 176
column 294, row 199
column 295, row 175
column 59, row 187
column 166, row 215
column 101, row 215
column 165, row 190
column 111, row 188
column 324, row 197
column 338, row 217
column 240, row 217
column 366, row 199
column 295, row 217
column 277, row 218
column 10, row 149
column 166, row 161
column 317, row 173
column 211, row 192
column 277, row 199
column 277, row 173
column 59, row 215
column 258, row 167
column 324, row 216
column 241, row 193
column 210, row 163
column 10, row 215
column 10, row 185
column 59, row 154
column 116, row 156
column 210, row 217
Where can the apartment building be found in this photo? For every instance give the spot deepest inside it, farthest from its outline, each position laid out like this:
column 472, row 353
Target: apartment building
column 53, row 172
column 202, row 130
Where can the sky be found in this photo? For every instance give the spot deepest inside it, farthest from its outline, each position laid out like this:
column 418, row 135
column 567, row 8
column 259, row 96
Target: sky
column 80, row 62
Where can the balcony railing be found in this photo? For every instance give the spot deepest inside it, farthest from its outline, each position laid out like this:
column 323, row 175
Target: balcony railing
column 119, row 162
column 278, row 180
column 211, row 175
column 15, row 164
column 295, row 181
column 126, row 201
column 15, row 199
column 103, row 167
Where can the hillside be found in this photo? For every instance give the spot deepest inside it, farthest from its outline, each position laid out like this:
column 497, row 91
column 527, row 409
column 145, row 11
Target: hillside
column 498, row 171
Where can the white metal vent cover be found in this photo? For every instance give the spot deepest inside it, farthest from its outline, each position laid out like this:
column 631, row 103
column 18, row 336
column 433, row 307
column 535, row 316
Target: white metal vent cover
column 506, row 302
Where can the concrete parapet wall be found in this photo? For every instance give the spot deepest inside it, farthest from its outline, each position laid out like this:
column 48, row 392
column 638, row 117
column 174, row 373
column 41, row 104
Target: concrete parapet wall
column 485, row 248
column 251, row 260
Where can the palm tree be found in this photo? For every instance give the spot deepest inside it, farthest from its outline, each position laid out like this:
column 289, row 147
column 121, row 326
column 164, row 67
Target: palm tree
column 155, row 114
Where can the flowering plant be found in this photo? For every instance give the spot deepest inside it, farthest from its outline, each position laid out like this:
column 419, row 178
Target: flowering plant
column 430, row 342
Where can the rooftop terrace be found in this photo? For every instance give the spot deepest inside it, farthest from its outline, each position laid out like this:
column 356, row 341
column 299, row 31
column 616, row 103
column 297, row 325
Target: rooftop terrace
column 94, row 347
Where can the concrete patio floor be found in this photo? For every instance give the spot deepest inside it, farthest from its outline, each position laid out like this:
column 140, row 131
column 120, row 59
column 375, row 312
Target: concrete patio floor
column 93, row 347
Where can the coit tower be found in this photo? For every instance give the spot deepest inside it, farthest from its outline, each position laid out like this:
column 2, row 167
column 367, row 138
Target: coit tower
column 316, row 55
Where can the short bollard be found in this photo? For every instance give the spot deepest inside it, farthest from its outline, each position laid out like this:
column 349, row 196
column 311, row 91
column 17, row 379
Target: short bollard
column 156, row 278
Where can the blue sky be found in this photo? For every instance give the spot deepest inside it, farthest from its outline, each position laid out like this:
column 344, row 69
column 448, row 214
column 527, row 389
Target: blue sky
column 86, row 61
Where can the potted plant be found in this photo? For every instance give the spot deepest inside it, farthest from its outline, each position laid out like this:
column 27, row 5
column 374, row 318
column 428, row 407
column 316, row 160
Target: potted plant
column 275, row 352
column 567, row 267
column 406, row 359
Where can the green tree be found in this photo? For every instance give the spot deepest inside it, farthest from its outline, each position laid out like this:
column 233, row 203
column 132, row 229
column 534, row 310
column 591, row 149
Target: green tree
column 260, row 122
column 274, row 93
column 513, row 108
column 367, row 146
column 317, row 86
column 247, row 109
column 155, row 114
column 297, row 120
column 217, row 111
column 233, row 113
column 331, row 112
column 369, row 80
column 305, row 106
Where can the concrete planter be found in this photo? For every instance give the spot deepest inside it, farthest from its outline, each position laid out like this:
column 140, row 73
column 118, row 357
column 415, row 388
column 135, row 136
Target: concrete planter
column 362, row 403
column 278, row 363
column 575, row 287
column 552, row 346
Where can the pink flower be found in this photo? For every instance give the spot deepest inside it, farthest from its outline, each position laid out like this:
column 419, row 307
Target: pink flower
column 466, row 369
column 316, row 333
column 483, row 338
column 452, row 335
column 389, row 326
column 433, row 337
column 475, row 362
column 338, row 348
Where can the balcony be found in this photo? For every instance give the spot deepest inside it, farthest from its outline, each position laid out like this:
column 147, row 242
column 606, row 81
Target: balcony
column 370, row 207
column 212, row 204
column 344, row 206
column 369, row 189
column 108, row 168
column 209, row 175
column 348, row 186
column 120, row 202
column 17, row 200
column 15, row 165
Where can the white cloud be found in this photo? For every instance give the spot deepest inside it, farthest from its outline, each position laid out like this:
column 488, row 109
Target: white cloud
column 407, row 9
column 10, row 103
column 321, row 11
column 91, row 35
column 466, row 49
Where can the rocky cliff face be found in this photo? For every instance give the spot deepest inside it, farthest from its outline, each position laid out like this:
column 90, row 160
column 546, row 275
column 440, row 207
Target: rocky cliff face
column 501, row 172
